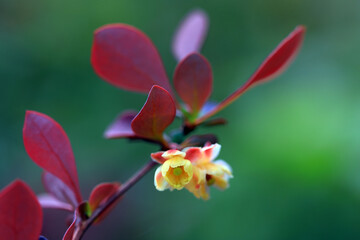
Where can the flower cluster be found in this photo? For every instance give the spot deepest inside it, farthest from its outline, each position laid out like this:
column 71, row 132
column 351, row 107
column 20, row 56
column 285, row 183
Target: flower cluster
column 126, row 58
column 192, row 168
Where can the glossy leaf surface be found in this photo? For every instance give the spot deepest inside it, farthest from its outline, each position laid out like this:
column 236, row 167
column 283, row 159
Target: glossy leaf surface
column 125, row 57
column 278, row 60
column 155, row 116
column 20, row 213
column 100, row 194
column 58, row 189
column 121, row 127
column 48, row 146
column 190, row 34
column 193, row 81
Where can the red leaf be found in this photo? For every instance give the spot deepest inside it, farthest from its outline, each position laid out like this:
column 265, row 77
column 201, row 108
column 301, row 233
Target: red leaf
column 193, row 81
column 121, row 127
column 59, row 189
column 48, row 146
column 20, row 213
column 155, row 116
column 102, row 193
column 191, row 34
column 278, row 60
column 49, row 201
column 125, row 57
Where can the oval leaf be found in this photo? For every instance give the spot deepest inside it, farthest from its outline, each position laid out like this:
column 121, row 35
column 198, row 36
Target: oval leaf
column 125, row 57
column 190, row 35
column 100, row 194
column 278, row 60
column 193, row 81
column 20, row 213
column 58, row 189
column 155, row 116
column 48, row 146
column 121, row 127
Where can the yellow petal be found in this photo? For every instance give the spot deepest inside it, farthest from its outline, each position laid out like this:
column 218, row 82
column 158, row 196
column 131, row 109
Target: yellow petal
column 159, row 180
column 176, row 180
column 221, row 182
column 173, row 153
column 225, row 166
column 197, row 185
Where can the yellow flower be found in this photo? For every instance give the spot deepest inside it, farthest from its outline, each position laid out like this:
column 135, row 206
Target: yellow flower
column 192, row 168
column 175, row 172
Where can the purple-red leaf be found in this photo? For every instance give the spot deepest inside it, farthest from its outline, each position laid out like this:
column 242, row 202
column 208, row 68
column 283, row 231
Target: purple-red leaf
column 59, row 189
column 191, row 34
column 278, row 60
column 49, row 201
column 20, row 213
column 48, row 146
column 155, row 116
column 125, row 57
column 193, row 81
column 121, row 127
column 102, row 193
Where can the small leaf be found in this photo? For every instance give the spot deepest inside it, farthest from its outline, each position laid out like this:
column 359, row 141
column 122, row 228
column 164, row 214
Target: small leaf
column 121, row 127
column 58, row 189
column 193, row 81
column 190, row 35
column 101, row 194
column 49, row 201
column 155, row 116
column 48, row 146
column 125, row 57
column 278, row 60
column 20, row 213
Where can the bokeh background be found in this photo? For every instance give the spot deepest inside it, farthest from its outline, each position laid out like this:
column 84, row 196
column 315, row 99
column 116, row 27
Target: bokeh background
column 294, row 143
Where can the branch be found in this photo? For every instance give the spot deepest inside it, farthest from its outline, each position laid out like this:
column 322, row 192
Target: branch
column 84, row 225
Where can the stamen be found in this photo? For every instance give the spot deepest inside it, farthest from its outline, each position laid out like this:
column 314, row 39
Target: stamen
column 209, row 180
column 177, row 171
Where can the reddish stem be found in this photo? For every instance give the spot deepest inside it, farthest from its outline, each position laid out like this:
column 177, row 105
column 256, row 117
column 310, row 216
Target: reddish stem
column 84, row 226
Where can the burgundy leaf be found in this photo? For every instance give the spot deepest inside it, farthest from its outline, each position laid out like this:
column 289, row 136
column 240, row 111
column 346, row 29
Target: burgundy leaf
column 101, row 194
column 155, row 116
column 125, row 57
column 48, row 146
column 193, row 81
column 58, row 189
column 121, row 127
column 278, row 60
column 191, row 34
column 20, row 213
column 49, row 201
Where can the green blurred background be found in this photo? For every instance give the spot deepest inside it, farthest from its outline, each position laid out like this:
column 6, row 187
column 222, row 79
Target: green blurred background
column 294, row 144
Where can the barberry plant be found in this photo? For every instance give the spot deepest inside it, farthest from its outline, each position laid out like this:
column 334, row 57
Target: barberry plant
column 126, row 58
